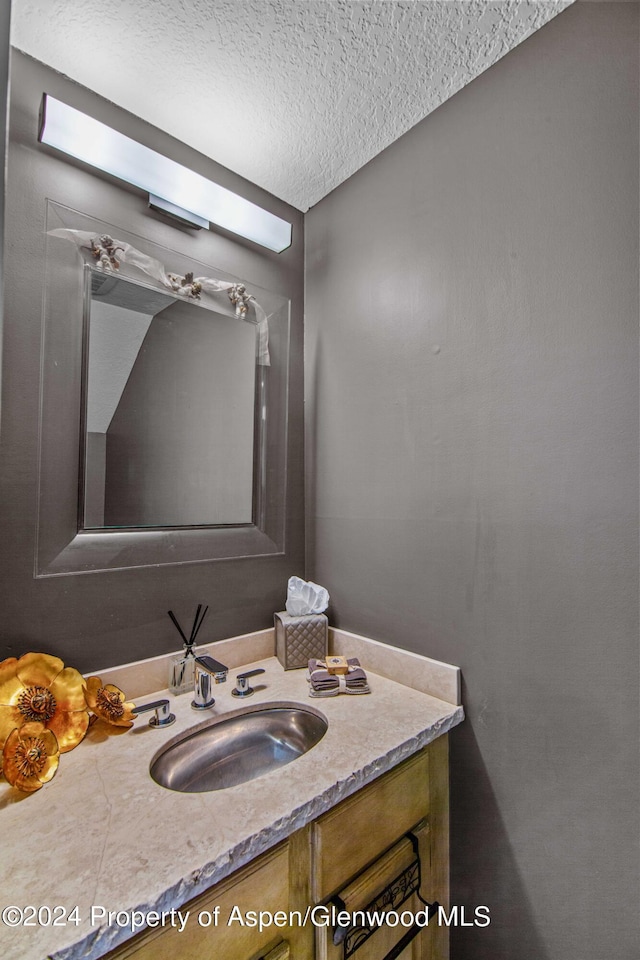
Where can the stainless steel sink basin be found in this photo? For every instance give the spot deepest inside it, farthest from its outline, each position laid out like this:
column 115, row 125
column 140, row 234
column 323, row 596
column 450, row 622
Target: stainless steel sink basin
column 237, row 747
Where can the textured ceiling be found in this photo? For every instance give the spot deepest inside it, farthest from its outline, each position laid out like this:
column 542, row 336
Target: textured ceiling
column 295, row 95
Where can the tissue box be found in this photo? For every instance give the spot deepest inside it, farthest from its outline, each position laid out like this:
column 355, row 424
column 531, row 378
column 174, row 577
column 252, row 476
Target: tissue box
column 298, row 639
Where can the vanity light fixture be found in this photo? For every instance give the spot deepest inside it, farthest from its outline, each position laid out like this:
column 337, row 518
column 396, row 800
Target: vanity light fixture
column 172, row 188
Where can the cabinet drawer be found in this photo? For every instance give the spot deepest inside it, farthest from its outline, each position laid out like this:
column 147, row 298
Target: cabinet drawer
column 261, row 885
column 362, row 827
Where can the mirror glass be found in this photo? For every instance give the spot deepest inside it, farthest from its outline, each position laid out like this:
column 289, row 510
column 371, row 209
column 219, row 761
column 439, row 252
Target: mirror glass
column 169, row 410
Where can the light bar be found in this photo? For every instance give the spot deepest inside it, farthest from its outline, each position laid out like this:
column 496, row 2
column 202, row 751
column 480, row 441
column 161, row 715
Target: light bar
column 98, row 145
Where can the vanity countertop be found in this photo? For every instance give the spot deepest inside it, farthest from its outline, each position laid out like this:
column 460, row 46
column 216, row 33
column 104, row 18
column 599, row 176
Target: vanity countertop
column 103, row 834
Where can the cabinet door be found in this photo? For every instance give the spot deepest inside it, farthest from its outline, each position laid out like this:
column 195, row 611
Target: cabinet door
column 381, row 889
column 261, row 885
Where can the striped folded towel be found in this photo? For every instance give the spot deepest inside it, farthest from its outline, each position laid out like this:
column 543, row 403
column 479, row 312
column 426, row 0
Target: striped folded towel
column 325, row 684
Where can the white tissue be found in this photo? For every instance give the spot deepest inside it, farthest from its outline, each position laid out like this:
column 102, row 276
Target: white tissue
column 305, row 597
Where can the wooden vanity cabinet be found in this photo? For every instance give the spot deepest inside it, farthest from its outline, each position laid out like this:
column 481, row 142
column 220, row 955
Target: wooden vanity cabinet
column 360, row 847
column 352, row 852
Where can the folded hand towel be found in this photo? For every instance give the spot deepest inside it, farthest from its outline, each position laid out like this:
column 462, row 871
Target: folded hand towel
column 324, row 684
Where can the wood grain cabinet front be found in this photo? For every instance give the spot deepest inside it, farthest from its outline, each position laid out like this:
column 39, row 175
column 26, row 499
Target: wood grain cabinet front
column 360, row 848
column 380, row 848
column 360, row 828
column 381, row 907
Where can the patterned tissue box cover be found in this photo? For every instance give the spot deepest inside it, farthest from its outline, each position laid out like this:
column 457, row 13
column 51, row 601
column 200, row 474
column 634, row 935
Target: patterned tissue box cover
column 298, row 639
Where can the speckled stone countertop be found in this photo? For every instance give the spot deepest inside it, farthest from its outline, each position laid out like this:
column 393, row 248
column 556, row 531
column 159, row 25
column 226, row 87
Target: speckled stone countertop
column 102, row 833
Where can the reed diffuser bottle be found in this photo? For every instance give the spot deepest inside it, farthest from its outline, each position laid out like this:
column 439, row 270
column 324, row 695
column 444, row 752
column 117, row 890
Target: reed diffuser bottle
column 182, row 667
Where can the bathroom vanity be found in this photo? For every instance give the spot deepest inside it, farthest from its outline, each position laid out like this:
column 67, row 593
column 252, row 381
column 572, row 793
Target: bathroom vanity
column 363, row 838
column 330, row 831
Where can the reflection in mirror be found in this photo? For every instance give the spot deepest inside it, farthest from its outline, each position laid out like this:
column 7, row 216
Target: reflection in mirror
column 170, row 400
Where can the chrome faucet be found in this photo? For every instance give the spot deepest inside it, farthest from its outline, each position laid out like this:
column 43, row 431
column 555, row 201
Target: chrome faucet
column 207, row 669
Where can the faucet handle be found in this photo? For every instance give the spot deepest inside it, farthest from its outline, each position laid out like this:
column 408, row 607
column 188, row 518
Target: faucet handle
column 162, row 716
column 242, row 688
column 213, row 667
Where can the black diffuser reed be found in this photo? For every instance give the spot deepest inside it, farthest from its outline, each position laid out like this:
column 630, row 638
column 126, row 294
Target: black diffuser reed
column 181, row 670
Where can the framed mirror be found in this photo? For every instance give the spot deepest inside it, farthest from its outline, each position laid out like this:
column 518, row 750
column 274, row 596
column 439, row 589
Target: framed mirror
column 170, row 413
column 163, row 406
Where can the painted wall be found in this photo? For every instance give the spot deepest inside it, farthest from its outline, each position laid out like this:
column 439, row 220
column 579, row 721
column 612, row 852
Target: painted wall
column 96, row 620
column 5, row 21
column 472, row 398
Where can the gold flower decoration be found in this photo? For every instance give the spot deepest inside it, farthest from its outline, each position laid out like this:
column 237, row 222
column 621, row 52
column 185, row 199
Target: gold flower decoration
column 30, row 757
column 39, row 688
column 108, row 703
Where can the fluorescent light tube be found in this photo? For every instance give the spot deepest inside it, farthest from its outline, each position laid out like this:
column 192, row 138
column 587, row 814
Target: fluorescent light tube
column 92, row 142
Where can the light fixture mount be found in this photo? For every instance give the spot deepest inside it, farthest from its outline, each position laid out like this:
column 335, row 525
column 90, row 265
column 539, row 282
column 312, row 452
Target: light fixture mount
column 179, row 214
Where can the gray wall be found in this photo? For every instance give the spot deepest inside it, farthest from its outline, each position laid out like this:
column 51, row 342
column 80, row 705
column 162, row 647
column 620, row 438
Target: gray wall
column 99, row 619
column 472, row 395
column 5, row 22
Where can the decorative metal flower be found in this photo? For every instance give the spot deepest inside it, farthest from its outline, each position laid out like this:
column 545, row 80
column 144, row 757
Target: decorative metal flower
column 39, row 687
column 108, row 703
column 30, row 757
